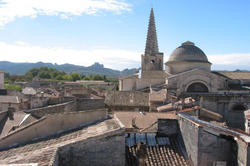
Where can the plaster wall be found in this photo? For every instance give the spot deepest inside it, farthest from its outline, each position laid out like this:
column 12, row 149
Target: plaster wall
column 243, row 154
column 152, row 78
column 127, row 84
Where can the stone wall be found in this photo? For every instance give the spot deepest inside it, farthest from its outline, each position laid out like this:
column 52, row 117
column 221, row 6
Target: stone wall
column 1, row 79
column 130, row 99
column 135, row 83
column 52, row 109
column 208, row 144
column 6, row 106
column 106, row 150
column 224, row 106
column 213, row 148
column 3, row 115
column 52, row 124
column 87, row 104
column 147, row 82
column 167, row 126
column 183, row 80
column 190, row 135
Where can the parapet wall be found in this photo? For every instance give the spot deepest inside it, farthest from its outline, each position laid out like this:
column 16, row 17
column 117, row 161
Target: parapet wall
column 210, row 144
column 168, row 126
column 106, row 150
column 52, row 109
column 127, row 98
column 52, row 124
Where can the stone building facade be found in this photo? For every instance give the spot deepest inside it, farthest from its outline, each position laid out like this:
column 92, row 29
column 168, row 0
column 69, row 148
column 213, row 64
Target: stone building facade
column 152, row 72
column 1, row 79
column 188, row 74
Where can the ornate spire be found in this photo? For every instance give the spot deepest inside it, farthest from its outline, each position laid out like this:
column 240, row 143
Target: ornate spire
column 151, row 43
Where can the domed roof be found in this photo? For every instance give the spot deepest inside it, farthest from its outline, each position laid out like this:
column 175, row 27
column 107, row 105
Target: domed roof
column 188, row 52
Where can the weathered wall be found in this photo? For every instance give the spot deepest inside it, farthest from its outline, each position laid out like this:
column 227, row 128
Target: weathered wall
column 105, row 151
column 209, row 115
column 152, row 63
column 120, row 98
column 190, row 135
column 134, row 83
column 127, row 84
column 52, row 124
column 224, row 106
column 75, row 90
column 52, row 109
column 213, row 148
column 147, row 82
column 36, row 102
column 1, row 79
column 206, row 146
column 87, row 104
column 167, row 126
column 243, row 154
column 183, row 80
column 3, row 115
column 5, row 106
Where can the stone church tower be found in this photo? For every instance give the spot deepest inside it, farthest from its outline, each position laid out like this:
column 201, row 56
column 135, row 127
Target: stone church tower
column 152, row 60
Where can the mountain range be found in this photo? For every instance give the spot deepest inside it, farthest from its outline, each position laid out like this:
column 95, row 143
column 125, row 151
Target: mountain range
column 96, row 68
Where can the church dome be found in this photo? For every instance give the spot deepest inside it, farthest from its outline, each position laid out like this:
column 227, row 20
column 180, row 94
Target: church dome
column 188, row 52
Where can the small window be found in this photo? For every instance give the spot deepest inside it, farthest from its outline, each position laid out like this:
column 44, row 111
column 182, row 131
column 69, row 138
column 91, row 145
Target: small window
column 152, row 61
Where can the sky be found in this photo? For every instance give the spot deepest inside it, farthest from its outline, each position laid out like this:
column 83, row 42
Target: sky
column 113, row 32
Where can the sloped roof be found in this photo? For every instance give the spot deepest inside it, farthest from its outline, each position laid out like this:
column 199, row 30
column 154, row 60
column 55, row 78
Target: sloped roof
column 9, row 99
column 14, row 121
column 43, row 151
column 235, row 75
column 143, row 120
column 158, row 150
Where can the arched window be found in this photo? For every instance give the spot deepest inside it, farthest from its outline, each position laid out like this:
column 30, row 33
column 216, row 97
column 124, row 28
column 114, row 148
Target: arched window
column 238, row 107
column 197, row 87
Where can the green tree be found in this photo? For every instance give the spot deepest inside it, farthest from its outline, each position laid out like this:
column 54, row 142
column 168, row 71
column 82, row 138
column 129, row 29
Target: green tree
column 75, row 76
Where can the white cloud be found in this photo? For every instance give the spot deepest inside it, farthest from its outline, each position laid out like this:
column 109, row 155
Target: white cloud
column 111, row 58
column 12, row 9
column 230, row 59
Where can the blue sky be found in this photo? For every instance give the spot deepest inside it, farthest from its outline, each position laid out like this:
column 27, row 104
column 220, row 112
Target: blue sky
column 113, row 32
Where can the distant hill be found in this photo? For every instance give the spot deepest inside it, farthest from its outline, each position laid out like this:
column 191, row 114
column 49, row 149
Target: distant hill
column 96, row 68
